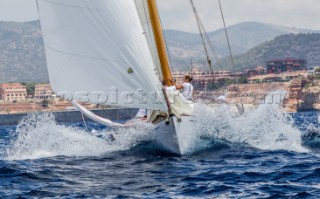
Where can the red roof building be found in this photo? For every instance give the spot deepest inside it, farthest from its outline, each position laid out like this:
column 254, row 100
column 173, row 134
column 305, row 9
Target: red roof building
column 286, row 65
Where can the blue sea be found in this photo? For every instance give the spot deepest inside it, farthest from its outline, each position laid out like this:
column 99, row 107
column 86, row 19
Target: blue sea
column 262, row 154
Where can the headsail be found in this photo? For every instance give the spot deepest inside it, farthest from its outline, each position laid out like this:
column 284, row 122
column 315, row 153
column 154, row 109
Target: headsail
column 97, row 52
column 144, row 13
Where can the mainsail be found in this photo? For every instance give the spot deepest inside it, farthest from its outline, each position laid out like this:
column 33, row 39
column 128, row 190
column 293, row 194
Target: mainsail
column 98, row 52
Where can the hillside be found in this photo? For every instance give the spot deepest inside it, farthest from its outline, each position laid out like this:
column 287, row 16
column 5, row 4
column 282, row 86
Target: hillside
column 186, row 46
column 22, row 55
column 304, row 46
column 21, row 52
column 250, row 34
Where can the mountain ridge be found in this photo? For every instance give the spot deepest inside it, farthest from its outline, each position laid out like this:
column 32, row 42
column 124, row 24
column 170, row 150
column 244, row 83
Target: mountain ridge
column 22, row 56
column 301, row 46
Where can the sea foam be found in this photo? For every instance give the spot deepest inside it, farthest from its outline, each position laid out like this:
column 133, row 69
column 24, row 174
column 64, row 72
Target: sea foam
column 266, row 127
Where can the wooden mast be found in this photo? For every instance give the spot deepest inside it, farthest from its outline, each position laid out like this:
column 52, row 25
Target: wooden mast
column 160, row 42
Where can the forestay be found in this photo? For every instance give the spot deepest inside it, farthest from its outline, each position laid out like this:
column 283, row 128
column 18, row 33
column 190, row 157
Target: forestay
column 97, row 52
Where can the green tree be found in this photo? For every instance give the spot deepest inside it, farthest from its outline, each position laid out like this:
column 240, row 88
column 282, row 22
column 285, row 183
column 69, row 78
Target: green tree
column 242, row 80
column 45, row 103
column 30, row 87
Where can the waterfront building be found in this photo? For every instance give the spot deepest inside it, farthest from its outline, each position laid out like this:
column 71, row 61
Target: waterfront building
column 283, row 77
column 255, row 72
column 286, row 65
column 43, row 91
column 202, row 79
column 13, row 92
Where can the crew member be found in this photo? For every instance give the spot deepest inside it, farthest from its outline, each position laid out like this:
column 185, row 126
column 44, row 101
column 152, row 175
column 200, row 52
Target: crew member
column 186, row 88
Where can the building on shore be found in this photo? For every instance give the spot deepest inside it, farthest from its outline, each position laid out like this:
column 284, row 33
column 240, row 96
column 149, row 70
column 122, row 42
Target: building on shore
column 255, row 72
column 43, row 91
column 13, row 92
column 202, row 79
column 286, row 65
column 283, row 77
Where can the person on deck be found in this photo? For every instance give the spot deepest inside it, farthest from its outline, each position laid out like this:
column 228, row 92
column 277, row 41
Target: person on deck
column 168, row 88
column 142, row 114
column 186, row 88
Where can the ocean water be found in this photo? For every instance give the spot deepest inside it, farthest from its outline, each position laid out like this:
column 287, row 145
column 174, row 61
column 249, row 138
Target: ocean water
column 262, row 154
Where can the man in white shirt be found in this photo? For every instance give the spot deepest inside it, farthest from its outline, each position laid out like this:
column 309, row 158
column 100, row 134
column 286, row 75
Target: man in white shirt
column 186, row 88
column 169, row 89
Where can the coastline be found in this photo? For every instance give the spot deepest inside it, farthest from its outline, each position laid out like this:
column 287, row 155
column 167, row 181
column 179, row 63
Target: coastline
column 301, row 95
column 70, row 116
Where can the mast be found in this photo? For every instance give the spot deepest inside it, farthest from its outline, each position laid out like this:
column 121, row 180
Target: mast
column 160, row 41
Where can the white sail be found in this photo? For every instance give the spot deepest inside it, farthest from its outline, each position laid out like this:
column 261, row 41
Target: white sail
column 143, row 10
column 97, row 52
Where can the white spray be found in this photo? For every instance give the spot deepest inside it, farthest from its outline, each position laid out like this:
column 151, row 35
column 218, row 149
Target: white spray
column 265, row 128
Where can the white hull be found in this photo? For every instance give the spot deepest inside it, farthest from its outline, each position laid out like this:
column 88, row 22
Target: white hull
column 175, row 136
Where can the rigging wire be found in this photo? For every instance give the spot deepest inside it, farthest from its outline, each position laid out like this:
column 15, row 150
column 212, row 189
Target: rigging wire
column 201, row 34
column 226, row 33
column 239, row 103
column 212, row 47
column 84, row 122
column 104, row 110
column 204, row 36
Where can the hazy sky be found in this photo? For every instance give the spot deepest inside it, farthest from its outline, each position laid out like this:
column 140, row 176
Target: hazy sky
column 177, row 14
